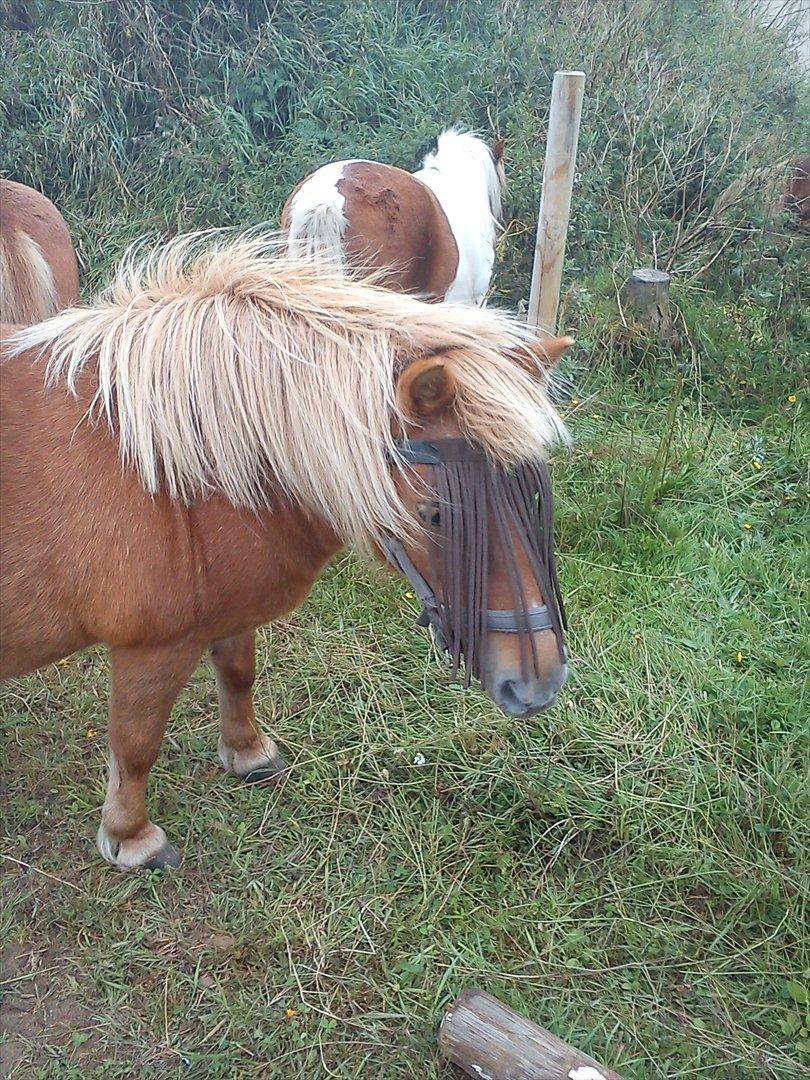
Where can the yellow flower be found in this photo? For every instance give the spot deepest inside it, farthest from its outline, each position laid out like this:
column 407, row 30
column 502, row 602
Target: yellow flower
column 747, row 526
column 740, row 657
column 409, row 595
column 792, row 399
column 757, row 464
column 574, row 401
column 91, row 733
column 289, row 1014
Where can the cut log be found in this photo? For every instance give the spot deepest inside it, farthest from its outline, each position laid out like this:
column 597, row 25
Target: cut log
column 645, row 296
column 492, row 1042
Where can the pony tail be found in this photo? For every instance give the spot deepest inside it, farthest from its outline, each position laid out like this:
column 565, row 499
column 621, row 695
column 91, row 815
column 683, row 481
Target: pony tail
column 27, row 288
column 317, row 225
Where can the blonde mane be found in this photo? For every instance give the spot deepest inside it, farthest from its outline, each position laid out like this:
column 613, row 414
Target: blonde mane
column 224, row 365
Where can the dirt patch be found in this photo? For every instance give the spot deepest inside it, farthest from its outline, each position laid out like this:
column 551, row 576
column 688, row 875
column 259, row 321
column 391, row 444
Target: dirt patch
column 35, row 1010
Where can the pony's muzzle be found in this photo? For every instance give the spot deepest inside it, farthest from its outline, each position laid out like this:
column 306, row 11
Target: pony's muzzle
column 521, row 697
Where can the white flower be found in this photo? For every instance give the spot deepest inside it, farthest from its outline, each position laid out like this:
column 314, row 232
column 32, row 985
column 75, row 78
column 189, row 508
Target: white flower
column 420, row 760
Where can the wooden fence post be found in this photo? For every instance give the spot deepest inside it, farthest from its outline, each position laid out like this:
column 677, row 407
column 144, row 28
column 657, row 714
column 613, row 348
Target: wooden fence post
column 492, row 1042
column 555, row 201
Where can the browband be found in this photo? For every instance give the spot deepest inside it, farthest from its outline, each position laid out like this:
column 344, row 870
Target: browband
column 425, row 452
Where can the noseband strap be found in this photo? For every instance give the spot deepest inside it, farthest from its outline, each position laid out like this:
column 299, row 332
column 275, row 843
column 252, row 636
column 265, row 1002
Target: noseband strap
column 533, row 619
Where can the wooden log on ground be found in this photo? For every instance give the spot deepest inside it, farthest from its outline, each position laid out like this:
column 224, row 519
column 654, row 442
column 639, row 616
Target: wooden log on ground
column 492, row 1042
column 645, row 296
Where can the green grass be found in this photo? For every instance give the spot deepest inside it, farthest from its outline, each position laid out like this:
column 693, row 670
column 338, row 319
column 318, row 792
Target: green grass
column 628, row 870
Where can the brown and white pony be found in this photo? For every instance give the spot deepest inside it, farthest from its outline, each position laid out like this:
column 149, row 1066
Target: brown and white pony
column 431, row 232
column 39, row 274
column 182, row 458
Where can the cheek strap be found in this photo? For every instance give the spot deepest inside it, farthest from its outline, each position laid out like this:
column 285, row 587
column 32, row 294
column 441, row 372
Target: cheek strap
column 498, row 620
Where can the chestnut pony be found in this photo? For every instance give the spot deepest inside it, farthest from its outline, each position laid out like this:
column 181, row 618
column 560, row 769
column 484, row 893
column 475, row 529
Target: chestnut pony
column 183, row 457
column 39, row 274
column 431, row 232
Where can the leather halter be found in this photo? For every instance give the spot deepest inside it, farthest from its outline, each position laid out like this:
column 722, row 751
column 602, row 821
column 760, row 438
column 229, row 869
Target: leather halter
column 498, row 620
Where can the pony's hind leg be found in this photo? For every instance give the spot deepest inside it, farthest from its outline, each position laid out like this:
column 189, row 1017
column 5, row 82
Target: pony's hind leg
column 144, row 685
column 243, row 748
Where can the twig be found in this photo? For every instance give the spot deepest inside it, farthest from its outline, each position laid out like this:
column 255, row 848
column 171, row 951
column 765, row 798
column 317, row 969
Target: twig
column 44, row 873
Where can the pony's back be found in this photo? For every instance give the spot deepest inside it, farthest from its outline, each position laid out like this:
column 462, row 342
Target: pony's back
column 38, row 270
column 431, row 233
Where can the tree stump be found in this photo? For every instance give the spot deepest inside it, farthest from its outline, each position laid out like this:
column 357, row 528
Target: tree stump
column 646, row 297
column 492, row 1042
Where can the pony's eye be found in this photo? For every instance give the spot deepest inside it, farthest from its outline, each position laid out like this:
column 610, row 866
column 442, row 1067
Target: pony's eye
column 429, row 514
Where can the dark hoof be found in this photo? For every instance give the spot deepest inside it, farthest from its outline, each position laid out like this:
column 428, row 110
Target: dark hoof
column 272, row 771
column 168, row 858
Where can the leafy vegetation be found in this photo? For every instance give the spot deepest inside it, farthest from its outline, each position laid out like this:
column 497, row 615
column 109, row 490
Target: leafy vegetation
column 628, row 870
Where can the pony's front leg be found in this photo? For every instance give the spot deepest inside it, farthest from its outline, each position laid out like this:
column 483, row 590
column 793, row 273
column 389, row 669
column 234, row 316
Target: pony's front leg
column 144, row 685
column 243, row 748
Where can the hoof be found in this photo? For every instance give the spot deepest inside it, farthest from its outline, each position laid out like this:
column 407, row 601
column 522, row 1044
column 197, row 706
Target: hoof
column 148, row 851
column 254, row 766
column 267, row 772
column 168, row 858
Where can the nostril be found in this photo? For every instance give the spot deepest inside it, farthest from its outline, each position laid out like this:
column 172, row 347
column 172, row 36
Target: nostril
column 507, row 696
column 522, row 697
column 520, row 691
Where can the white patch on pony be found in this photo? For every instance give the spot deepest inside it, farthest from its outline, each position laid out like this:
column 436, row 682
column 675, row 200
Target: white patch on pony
column 317, row 221
column 463, row 176
column 135, row 851
column 585, row 1072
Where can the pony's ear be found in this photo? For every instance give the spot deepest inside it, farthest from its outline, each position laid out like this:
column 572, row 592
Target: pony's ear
column 426, row 387
column 498, row 149
column 550, row 350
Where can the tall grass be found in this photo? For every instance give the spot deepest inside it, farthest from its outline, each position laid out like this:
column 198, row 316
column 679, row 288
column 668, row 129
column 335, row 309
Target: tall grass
column 160, row 117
